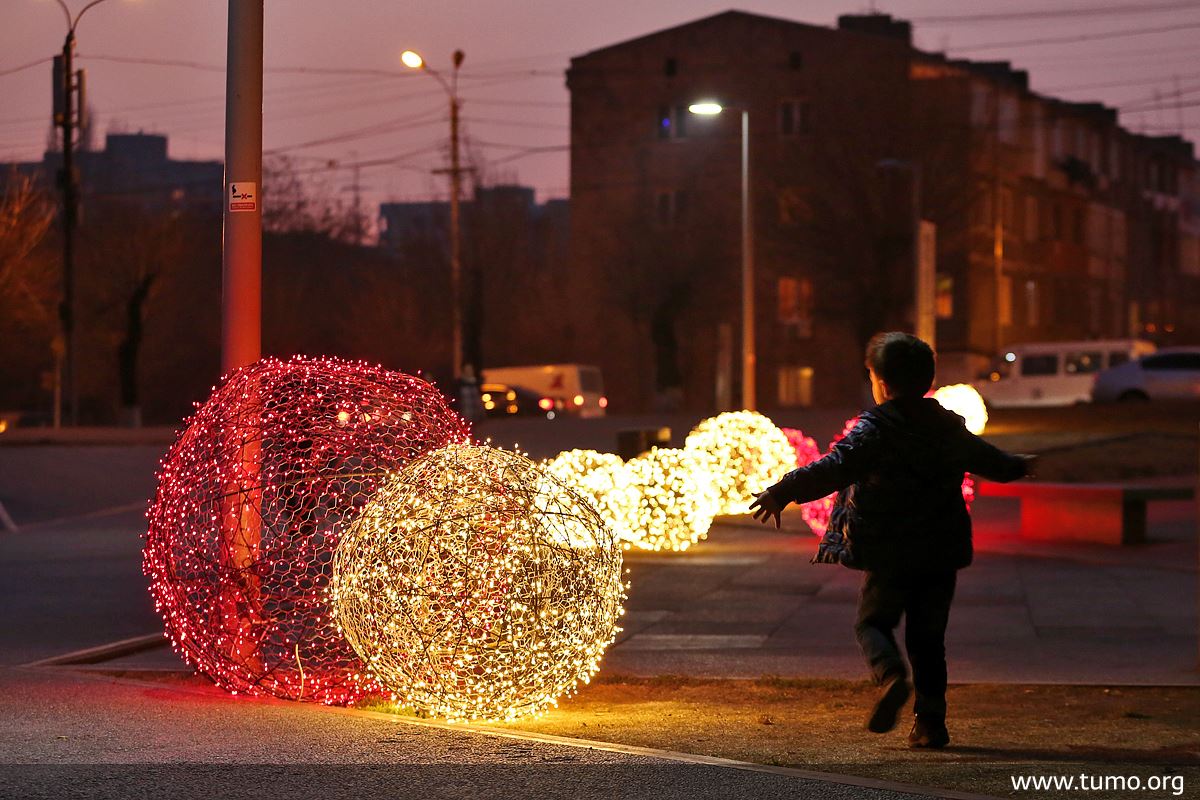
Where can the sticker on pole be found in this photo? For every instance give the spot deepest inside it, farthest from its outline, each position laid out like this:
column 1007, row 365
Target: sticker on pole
column 243, row 196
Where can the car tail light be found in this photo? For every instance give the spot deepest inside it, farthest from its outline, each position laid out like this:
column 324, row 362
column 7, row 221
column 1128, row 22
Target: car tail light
column 578, row 399
column 545, row 404
column 604, row 402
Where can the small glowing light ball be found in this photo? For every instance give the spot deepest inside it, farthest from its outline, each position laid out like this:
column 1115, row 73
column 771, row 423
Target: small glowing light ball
column 805, row 447
column 745, row 453
column 251, row 501
column 965, row 401
column 676, row 502
column 476, row 586
column 603, row 479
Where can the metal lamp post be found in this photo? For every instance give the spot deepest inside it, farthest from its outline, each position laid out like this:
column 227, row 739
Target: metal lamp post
column 710, row 108
column 413, row 60
column 68, row 109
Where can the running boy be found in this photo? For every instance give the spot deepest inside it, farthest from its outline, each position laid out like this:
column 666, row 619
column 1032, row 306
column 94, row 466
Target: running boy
column 900, row 517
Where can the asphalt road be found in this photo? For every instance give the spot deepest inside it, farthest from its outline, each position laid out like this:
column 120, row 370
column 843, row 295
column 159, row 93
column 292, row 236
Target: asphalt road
column 68, row 735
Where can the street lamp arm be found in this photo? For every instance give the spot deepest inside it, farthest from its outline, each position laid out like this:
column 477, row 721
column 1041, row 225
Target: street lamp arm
column 83, row 11
column 450, row 90
column 66, row 13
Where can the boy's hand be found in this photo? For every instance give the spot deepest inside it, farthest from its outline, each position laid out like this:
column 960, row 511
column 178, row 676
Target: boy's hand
column 767, row 507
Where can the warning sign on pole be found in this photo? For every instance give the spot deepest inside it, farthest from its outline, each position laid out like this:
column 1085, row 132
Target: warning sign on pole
column 243, row 196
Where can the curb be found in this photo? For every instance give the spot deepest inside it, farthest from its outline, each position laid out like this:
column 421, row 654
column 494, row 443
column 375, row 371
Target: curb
column 103, row 652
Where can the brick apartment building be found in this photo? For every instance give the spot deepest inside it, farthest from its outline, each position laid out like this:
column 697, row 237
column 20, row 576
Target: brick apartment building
column 1053, row 222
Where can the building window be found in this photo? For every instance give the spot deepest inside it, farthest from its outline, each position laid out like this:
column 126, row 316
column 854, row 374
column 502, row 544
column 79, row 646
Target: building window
column 943, row 296
column 796, row 305
column 1031, row 303
column 672, row 121
column 795, row 60
column 670, row 67
column 1079, row 226
column 1056, row 226
column 670, row 208
column 1007, row 208
column 1004, row 303
column 1031, row 218
column 796, row 386
column 793, row 117
column 792, row 206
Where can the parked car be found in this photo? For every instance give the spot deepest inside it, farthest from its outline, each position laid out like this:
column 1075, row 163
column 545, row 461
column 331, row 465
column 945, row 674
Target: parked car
column 1053, row 373
column 1172, row 373
column 579, row 387
column 504, row 400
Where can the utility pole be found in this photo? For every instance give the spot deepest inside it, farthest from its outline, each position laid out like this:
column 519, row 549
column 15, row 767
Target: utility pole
column 68, row 111
column 455, row 172
column 241, row 255
column 241, row 323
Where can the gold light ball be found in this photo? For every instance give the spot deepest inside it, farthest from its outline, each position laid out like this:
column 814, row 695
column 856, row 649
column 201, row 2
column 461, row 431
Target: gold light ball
column 476, row 586
column 745, row 453
column 603, row 479
column 676, row 502
column 965, row 401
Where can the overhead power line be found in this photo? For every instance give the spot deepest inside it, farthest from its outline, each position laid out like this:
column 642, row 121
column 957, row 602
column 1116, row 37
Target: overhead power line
column 23, row 67
column 1073, row 12
column 1084, row 37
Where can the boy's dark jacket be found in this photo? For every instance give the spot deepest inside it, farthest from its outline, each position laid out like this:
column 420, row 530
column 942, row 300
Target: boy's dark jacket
column 898, row 475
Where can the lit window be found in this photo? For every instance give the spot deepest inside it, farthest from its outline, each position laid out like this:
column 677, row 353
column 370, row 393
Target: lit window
column 795, row 386
column 943, row 296
column 1031, row 303
column 796, row 305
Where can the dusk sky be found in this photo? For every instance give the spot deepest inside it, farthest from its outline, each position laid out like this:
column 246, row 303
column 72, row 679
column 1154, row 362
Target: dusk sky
column 335, row 89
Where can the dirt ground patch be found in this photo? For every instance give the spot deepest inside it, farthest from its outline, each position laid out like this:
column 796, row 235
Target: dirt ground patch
column 997, row 731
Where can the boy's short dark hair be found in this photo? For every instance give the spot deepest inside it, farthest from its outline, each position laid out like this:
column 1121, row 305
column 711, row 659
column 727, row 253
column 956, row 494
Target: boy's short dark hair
column 904, row 362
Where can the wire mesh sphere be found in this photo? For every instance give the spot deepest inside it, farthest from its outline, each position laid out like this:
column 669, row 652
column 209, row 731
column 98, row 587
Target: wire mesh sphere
column 476, row 586
column 251, row 501
column 603, row 479
column 965, row 401
column 805, row 447
column 745, row 453
column 676, row 502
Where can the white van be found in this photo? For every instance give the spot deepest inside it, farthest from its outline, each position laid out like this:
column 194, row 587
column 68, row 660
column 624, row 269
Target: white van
column 576, row 389
column 1053, row 373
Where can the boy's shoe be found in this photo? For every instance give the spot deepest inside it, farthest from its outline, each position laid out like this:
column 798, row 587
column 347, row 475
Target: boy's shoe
column 887, row 708
column 929, row 731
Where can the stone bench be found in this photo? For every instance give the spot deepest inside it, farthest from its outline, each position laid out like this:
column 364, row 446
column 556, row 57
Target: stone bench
column 1104, row 513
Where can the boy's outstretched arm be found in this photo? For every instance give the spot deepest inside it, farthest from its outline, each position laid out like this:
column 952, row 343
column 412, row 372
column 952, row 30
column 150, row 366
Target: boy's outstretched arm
column 840, row 467
column 993, row 463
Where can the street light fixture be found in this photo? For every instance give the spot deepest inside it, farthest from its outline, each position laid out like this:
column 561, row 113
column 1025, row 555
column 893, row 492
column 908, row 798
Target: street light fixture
column 709, row 108
column 68, row 108
column 413, row 60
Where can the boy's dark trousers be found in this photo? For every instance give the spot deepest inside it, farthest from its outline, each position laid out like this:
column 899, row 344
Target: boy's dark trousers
column 924, row 599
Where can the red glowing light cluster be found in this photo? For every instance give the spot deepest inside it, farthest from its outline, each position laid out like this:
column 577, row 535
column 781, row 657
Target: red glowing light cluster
column 816, row 513
column 252, row 499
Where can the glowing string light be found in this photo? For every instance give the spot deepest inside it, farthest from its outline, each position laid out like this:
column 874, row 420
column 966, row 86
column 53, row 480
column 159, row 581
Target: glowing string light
column 251, row 501
column 476, row 586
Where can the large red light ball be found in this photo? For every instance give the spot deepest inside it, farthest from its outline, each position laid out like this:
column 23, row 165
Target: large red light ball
column 252, row 499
